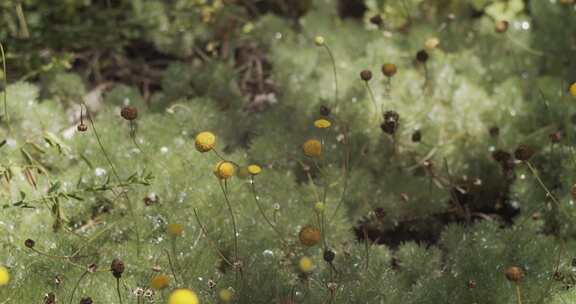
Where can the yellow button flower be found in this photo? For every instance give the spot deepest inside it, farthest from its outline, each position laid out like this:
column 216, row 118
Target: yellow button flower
column 573, row 89
column 205, row 141
column 319, row 40
column 319, row 207
column 224, row 170
column 225, row 295
column 4, row 276
column 183, row 296
column 160, row 281
column 322, row 123
column 312, row 148
column 175, row 229
column 306, row 264
column 254, row 169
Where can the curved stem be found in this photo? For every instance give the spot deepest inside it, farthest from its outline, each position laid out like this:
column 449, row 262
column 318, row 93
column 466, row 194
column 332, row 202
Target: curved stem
column 5, row 85
column 118, row 290
column 116, row 175
column 335, row 73
column 205, row 231
column 257, row 200
column 235, row 229
column 373, row 100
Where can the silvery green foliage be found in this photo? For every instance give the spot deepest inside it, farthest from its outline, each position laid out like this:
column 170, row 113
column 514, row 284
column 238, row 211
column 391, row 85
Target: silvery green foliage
column 60, row 189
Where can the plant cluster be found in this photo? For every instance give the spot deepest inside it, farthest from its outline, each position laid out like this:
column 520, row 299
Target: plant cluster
column 272, row 151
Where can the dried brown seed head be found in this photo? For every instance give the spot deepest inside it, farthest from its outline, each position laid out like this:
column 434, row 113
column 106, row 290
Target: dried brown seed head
column 514, row 274
column 389, row 69
column 117, row 268
column 29, row 243
column 129, row 113
column 366, row 75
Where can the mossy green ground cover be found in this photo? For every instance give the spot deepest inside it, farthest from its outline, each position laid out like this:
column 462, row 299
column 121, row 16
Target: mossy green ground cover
column 420, row 186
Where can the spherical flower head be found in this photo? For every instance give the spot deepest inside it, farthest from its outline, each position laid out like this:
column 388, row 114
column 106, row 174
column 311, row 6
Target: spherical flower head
column 183, row 296
column 254, row 169
column 432, row 43
column 225, row 295
column 322, row 123
column 224, row 170
column 389, row 69
column 514, row 274
column 129, row 113
column 309, row 236
column 4, row 276
column 160, row 281
column 205, row 141
column 175, row 229
column 306, row 264
column 319, row 207
column 312, row 148
column 573, row 89
column 319, row 40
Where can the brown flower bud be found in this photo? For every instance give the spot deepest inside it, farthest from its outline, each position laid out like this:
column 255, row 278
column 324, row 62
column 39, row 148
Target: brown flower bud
column 86, row 300
column 366, row 75
column 523, row 152
column 514, row 274
column 389, row 69
column 417, row 136
column 471, row 284
column 501, row 26
column 422, row 56
column 129, row 113
column 324, row 110
column 391, row 122
column 309, row 236
column 117, row 268
column 29, row 243
column 376, row 20
column 82, row 127
column 329, row 256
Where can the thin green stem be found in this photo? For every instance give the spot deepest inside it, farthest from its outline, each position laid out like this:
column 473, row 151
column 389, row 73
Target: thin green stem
column 5, row 80
column 335, row 73
column 518, row 294
column 116, row 175
column 205, row 231
column 537, row 176
column 369, row 89
column 118, row 290
column 233, row 218
column 257, row 200
column 76, row 286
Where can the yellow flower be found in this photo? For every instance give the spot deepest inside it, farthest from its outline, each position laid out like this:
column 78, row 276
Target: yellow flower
column 205, row 141
column 312, row 148
column 4, row 276
column 175, row 229
column 254, row 169
column 183, row 296
column 224, row 170
column 306, row 264
column 322, row 123
column 248, row 27
column 319, row 40
column 225, row 295
column 573, row 89
column 160, row 281
column 319, row 207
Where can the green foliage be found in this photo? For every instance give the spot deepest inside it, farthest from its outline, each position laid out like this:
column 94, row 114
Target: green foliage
column 436, row 220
